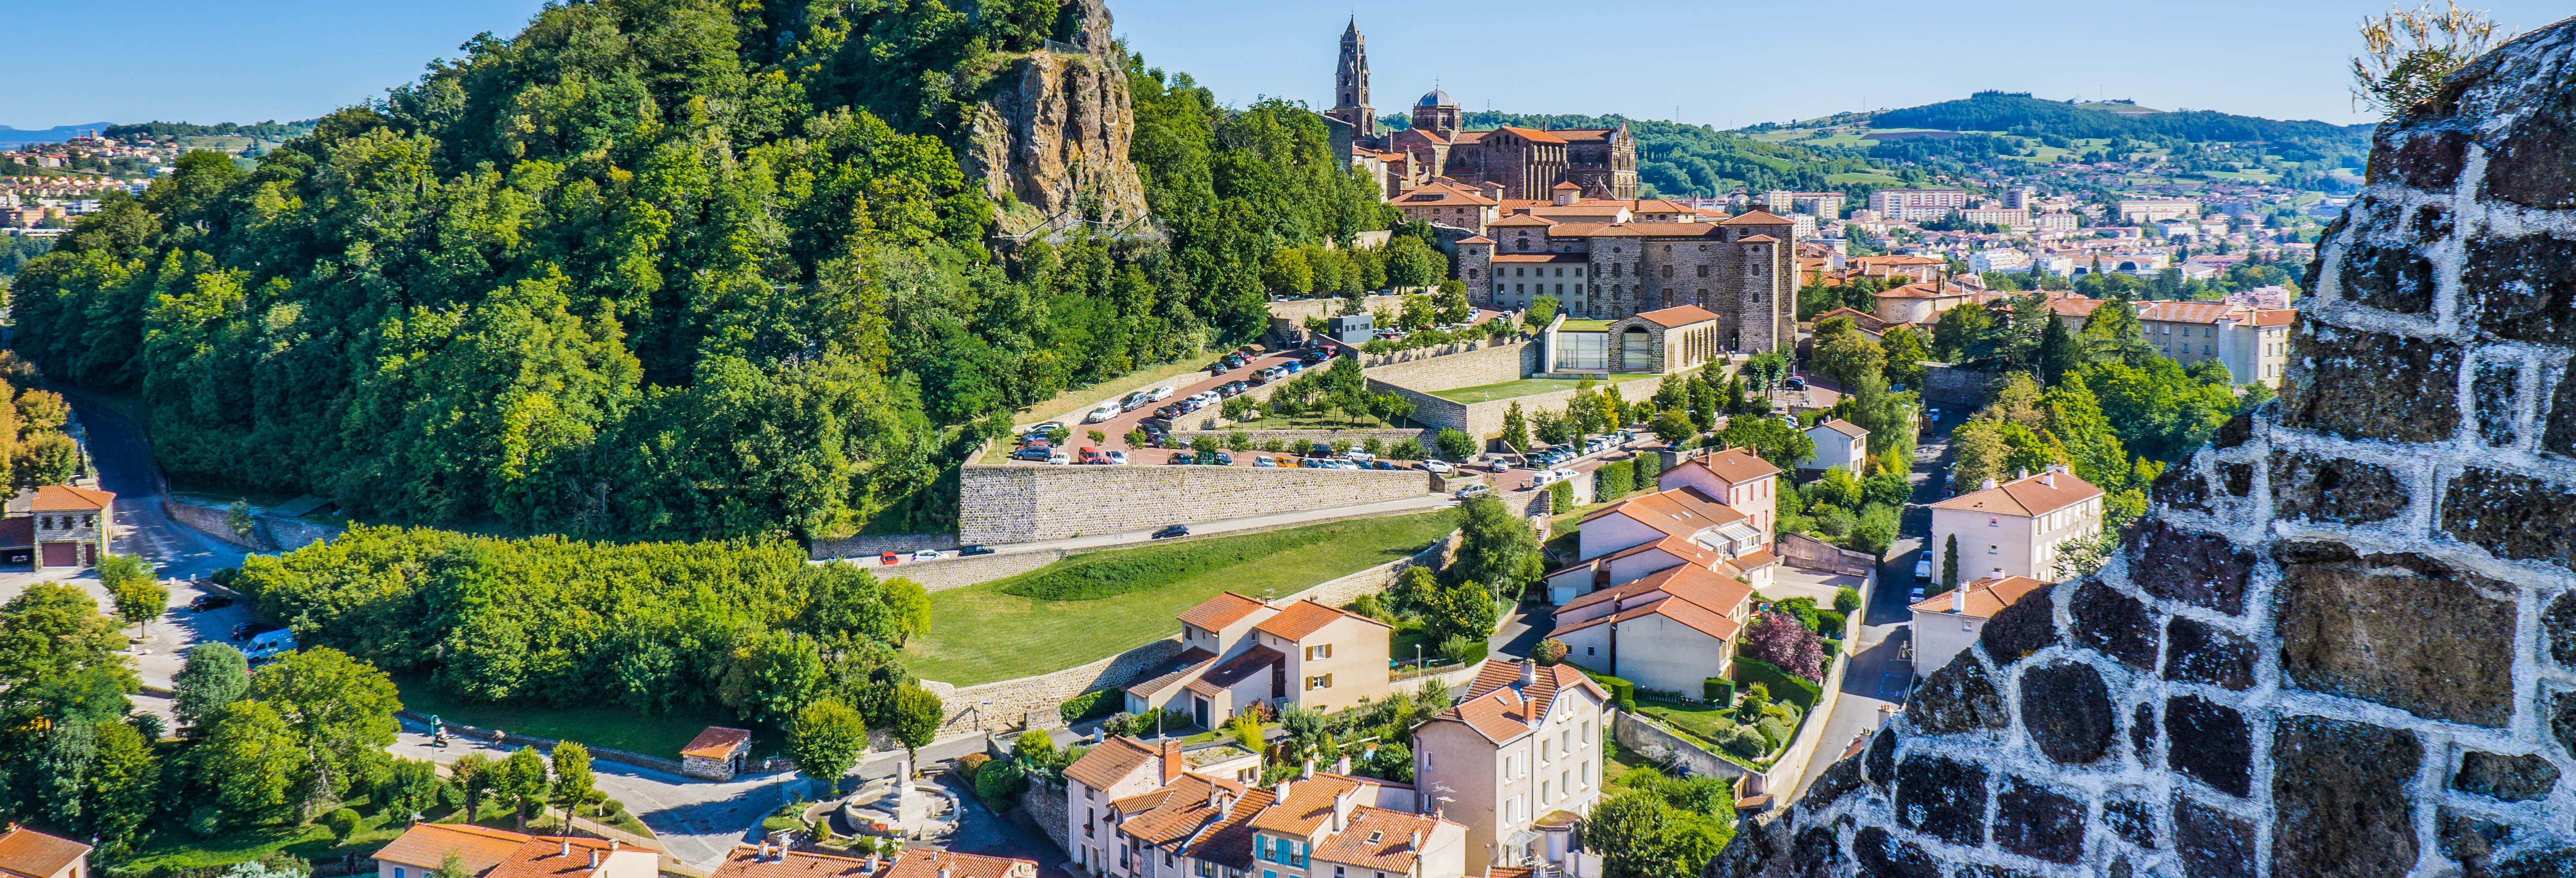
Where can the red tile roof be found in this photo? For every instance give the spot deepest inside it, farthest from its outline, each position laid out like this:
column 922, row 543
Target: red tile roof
column 1679, row 512
column 30, row 853
column 1736, row 466
column 476, row 848
column 1533, row 135
column 1308, row 805
column 1522, row 219
column 1302, row 619
column 1110, row 762
column 717, row 742
column 1689, row 615
column 1683, row 315
column 1543, row 257
column 1844, row 427
column 1757, row 218
column 1499, row 708
column 1479, row 239
column 2032, row 496
column 745, row 861
column 929, row 863
column 1378, row 839
column 65, row 498
column 1237, row 669
column 1228, row 842
column 1182, row 811
column 1215, row 613
column 1986, row 596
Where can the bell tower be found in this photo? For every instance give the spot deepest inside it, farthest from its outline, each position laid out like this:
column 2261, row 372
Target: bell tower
column 1351, row 84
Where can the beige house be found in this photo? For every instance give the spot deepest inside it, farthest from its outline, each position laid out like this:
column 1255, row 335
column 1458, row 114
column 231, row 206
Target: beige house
column 493, row 853
column 2016, row 527
column 2253, row 343
column 1669, row 631
column 1313, row 825
column 1239, row 651
column 1922, row 302
column 1517, row 761
column 26, row 853
column 1944, row 624
column 1680, row 527
column 1119, row 768
column 1840, row 444
column 1736, row 477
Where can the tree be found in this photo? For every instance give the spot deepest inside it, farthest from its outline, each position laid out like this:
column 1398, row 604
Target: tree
column 1516, row 434
column 1455, row 444
column 1497, row 548
column 1836, row 487
column 124, row 783
column 1777, row 638
column 1452, row 302
column 252, row 760
column 520, row 780
column 411, row 789
column 1905, row 350
column 917, row 715
column 45, row 459
column 452, row 867
column 341, row 708
column 1843, row 353
column 826, row 740
column 1640, row 835
column 573, row 786
column 1674, row 426
column 2408, row 52
column 237, row 518
column 908, row 604
column 1783, row 445
column 60, row 659
column 1461, row 609
column 2113, row 332
column 214, row 675
column 140, row 598
column 1542, row 311
column 1950, row 563
column 2059, row 352
column 1961, row 331
column 1287, row 271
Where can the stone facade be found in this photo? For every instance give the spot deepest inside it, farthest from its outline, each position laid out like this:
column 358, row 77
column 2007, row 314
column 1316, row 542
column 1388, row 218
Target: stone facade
column 1469, row 368
column 1006, row 504
column 2345, row 643
column 1743, row 269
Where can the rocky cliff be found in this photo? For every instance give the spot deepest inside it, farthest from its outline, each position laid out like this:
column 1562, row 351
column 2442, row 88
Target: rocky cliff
column 1053, row 135
column 2344, row 644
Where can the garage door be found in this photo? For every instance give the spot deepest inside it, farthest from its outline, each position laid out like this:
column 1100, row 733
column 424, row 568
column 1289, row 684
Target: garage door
column 62, row 554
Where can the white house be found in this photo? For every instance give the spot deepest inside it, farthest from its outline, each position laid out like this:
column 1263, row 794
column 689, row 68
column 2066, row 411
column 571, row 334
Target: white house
column 1518, row 761
column 2016, row 527
column 1683, row 526
column 1944, row 624
column 1840, row 444
column 1668, row 631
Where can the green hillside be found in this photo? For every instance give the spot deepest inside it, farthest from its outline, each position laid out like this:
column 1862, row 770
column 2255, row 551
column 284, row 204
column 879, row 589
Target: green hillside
column 1674, row 159
column 2021, row 114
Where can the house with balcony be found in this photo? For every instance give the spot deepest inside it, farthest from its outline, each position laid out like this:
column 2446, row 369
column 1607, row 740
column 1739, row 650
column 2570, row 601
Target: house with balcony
column 1239, row 651
column 2016, row 527
column 1668, row 631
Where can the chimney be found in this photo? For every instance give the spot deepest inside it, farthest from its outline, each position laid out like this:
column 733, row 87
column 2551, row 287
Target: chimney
column 1417, row 840
column 1343, row 766
column 594, row 859
column 1281, row 792
column 947, row 871
column 2049, row 478
column 1342, row 808
column 1529, row 673
column 612, row 845
column 2021, row 474
column 1173, row 764
column 1308, row 773
column 872, row 862
column 567, row 848
column 1959, row 600
column 1987, row 485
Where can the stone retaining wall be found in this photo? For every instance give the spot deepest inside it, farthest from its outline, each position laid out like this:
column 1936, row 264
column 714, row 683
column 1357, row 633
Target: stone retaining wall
column 948, row 573
column 1949, row 385
column 1297, row 310
column 1448, row 367
column 2344, row 641
column 269, row 533
column 1298, row 439
column 1016, row 701
column 1032, row 503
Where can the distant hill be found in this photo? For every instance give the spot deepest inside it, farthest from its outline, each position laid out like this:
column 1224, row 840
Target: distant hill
column 269, row 130
column 2018, row 113
column 12, row 138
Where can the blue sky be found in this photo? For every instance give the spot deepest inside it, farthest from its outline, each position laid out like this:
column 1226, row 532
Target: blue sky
column 1724, row 62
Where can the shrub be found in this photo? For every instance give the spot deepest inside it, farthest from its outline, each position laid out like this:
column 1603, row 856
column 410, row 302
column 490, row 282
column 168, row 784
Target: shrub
column 1090, row 705
column 1121, row 724
column 1719, row 691
column 1560, row 497
column 1777, row 638
column 1611, row 481
column 999, row 785
column 1463, row 649
column 1833, row 521
column 1622, row 692
column 612, row 808
column 1744, row 741
column 1374, row 446
column 967, row 764
column 1830, row 624
column 343, row 822
column 1237, row 441
column 1341, row 446
column 1274, row 445
column 1874, row 530
column 1846, row 600
column 1548, row 652
column 1832, row 647
column 206, row 821
column 1410, row 449
column 1781, row 684
column 1775, row 730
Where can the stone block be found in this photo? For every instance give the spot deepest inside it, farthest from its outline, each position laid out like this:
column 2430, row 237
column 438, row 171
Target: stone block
column 2212, row 843
column 2142, row 730
column 1960, row 697
column 2562, row 721
column 2202, row 569
column 2236, row 478
column 2367, row 385
column 2402, row 630
column 2237, row 431
column 2182, row 487
column 2558, row 625
column 2114, row 624
column 2334, row 490
column 2420, row 159
column 2132, row 819
column 1833, row 783
column 2558, row 430
column 2340, row 807
column 1978, row 870
column 2468, row 840
column 2554, row 861
column 2209, row 741
column 1879, row 764
column 1816, row 852
column 2197, row 652
column 2534, row 164
column 2505, row 778
column 1883, row 855
column 2067, row 711
column 2394, row 278
column 1943, row 798
column 2512, row 515
column 2034, row 821
column 2492, row 390
column 2519, row 288
column 2028, row 626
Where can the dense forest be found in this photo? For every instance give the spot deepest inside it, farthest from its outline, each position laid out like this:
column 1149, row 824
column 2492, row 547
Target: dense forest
column 269, row 130
column 2021, row 114
column 660, row 269
column 1677, row 160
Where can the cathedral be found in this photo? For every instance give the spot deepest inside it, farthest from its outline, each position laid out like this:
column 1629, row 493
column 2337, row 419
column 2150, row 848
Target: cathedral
column 1527, row 163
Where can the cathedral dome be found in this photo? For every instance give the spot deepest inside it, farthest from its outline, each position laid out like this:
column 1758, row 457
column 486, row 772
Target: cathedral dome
column 1435, row 98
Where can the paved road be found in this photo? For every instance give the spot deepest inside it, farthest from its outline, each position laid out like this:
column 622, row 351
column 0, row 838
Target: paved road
column 1878, row 677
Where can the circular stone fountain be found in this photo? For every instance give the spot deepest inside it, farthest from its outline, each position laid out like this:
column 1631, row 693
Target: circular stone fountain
column 897, row 807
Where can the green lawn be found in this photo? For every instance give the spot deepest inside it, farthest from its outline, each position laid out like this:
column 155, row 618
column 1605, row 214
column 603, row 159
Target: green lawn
column 978, row 634
column 603, row 725
column 1574, row 325
column 173, row 847
column 1528, row 387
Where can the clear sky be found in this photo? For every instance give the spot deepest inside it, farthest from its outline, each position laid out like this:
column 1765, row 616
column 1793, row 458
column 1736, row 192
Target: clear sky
column 1721, row 62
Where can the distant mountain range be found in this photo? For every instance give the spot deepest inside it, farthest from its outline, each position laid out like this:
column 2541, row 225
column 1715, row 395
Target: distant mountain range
column 12, row 138
column 2019, row 113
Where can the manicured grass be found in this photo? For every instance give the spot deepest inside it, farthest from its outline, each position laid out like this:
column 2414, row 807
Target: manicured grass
column 600, row 725
column 1530, row 386
column 172, row 846
column 980, row 633
column 1574, row 325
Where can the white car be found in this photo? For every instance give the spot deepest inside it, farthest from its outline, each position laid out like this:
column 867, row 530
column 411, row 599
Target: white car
column 1059, row 458
column 1923, row 567
column 1356, row 454
column 1106, row 411
column 1117, row 458
column 926, row 555
column 1441, row 467
column 1162, row 393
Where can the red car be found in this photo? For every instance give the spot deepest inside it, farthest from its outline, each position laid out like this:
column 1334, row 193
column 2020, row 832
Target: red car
column 889, row 558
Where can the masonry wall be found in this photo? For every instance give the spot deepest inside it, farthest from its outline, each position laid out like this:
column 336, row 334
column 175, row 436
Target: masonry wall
column 1030, row 503
column 1295, row 311
column 2344, row 643
column 1478, row 364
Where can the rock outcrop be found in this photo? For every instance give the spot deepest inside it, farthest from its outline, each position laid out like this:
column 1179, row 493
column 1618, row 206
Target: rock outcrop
column 2345, row 642
column 1053, row 133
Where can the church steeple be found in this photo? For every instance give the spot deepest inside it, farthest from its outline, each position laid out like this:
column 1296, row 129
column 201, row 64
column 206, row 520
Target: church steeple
column 1351, row 83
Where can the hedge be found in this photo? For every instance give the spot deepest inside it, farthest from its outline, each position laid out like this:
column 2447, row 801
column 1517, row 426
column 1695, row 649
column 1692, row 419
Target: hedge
column 1560, row 497
column 1092, row 705
column 1831, row 646
column 1613, row 481
column 1649, row 466
column 1622, row 692
column 1719, row 691
column 1830, row 624
column 1784, row 686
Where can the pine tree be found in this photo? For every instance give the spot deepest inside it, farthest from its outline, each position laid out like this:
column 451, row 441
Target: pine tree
column 1950, row 564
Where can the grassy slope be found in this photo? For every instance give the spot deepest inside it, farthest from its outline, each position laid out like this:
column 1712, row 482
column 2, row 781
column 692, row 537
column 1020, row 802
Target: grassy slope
column 604, row 725
column 980, row 635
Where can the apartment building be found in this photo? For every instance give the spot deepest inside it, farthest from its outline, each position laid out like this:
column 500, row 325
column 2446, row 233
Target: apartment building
column 1916, row 205
column 1668, row 631
column 2152, row 209
column 1821, row 205
column 1998, row 259
column 1518, row 762
column 2254, row 343
column 2015, row 528
column 1736, row 477
column 1687, row 525
column 2055, row 222
column 1239, row 651
column 2008, row 217
column 1312, row 825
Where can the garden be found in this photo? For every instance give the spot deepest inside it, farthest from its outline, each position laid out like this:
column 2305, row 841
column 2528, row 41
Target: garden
column 1781, row 662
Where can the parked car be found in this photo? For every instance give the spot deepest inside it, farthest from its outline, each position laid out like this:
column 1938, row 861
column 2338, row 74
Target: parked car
column 1265, row 461
column 1437, row 466
column 1092, row 455
column 1319, row 450
column 1383, row 464
column 1137, row 400
column 1162, row 393
column 1035, row 453
column 1117, row 458
column 206, row 602
column 974, row 550
column 1795, row 383
column 1472, row 491
column 1106, row 411
column 1177, row 530
column 1058, row 457
column 1923, row 567
column 1215, row 458
column 1356, row 454
column 1914, row 596
column 1314, row 356
column 926, row 555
